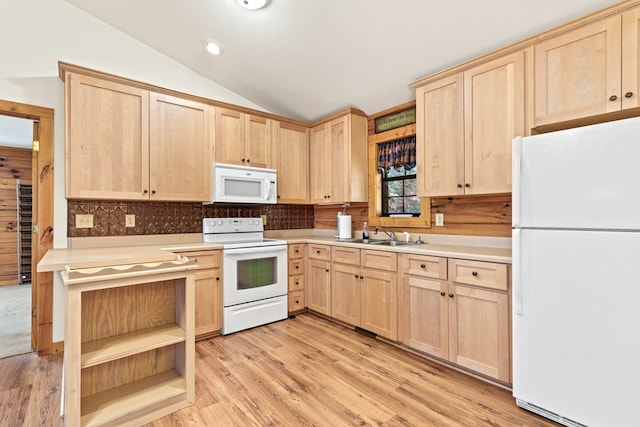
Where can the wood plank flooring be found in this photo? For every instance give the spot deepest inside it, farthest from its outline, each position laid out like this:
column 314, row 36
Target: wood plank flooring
column 305, row 371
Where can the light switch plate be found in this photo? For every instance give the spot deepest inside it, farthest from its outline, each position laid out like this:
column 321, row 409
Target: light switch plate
column 130, row 220
column 84, row 221
column 439, row 220
column 264, row 219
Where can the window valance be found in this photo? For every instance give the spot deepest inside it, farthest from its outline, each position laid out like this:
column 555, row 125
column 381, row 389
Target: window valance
column 397, row 153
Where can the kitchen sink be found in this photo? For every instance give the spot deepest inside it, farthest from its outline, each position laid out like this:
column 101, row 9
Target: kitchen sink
column 380, row 242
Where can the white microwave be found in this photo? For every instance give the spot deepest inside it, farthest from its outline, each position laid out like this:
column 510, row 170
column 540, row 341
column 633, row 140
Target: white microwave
column 243, row 184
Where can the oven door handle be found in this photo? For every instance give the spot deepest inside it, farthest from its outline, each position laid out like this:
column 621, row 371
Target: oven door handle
column 255, row 250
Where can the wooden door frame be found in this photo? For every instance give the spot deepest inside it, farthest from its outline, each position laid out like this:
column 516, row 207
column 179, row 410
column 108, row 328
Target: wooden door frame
column 42, row 240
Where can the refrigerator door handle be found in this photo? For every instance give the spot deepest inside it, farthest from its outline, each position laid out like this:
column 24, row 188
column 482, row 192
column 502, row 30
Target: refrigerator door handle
column 516, row 166
column 516, row 270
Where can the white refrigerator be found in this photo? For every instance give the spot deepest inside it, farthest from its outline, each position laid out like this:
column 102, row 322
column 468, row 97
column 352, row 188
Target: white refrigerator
column 576, row 274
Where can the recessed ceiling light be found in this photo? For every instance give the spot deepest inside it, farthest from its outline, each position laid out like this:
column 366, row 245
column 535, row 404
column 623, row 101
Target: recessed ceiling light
column 214, row 47
column 253, row 4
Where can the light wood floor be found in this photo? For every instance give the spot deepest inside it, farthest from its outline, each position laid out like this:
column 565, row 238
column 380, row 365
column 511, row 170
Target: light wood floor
column 300, row 372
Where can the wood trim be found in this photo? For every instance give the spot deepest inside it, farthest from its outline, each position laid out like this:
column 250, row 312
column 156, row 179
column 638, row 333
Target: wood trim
column 339, row 115
column 42, row 182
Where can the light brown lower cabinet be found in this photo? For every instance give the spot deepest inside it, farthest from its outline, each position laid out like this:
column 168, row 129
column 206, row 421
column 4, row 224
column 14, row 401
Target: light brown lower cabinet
column 364, row 289
column 464, row 320
column 295, row 268
column 208, row 292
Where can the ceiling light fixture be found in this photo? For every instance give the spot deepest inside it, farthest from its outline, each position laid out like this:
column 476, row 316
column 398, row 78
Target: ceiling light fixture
column 214, row 47
column 253, row 4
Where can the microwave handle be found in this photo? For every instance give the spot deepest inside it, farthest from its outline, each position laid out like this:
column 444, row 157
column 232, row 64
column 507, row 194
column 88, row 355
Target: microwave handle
column 269, row 189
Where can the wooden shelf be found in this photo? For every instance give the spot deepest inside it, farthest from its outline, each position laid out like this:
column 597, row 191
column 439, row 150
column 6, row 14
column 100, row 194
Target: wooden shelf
column 131, row 398
column 108, row 349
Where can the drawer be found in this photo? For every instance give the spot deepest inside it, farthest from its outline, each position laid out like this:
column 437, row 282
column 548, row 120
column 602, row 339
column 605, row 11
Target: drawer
column 425, row 266
column 296, row 301
column 380, row 260
column 205, row 259
column 296, row 283
column 296, row 250
column 322, row 252
column 345, row 255
column 479, row 273
column 296, row 266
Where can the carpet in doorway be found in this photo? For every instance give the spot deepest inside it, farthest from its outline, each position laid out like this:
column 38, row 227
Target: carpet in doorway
column 15, row 320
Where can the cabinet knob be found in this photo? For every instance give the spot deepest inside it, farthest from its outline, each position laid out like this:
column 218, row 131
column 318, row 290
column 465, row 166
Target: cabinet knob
column 613, row 98
column 297, row 283
column 278, row 196
column 422, row 266
column 450, row 295
column 196, row 260
column 362, row 277
column 442, row 293
column 459, row 185
column 218, row 278
column 628, row 94
column 248, row 161
column 297, row 251
column 297, row 267
column 297, row 301
column 467, row 185
column 474, row 273
column 244, row 160
column 145, row 191
column 318, row 252
column 355, row 275
column 153, row 191
column 326, row 269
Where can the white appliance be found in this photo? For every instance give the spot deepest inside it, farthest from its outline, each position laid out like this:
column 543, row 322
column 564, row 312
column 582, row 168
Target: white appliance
column 243, row 184
column 576, row 287
column 254, row 272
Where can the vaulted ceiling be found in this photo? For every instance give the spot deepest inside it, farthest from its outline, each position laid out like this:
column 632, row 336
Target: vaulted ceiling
column 306, row 59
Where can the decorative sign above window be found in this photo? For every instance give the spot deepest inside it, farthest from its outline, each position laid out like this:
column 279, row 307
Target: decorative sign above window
column 395, row 120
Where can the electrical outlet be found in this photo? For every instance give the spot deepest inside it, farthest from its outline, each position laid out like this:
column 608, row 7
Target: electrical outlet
column 130, row 220
column 439, row 220
column 84, row 221
column 264, row 219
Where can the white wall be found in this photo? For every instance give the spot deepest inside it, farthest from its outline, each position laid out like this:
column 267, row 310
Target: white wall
column 35, row 35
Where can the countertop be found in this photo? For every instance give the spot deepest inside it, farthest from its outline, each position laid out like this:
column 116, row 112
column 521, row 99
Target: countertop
column 109, row 251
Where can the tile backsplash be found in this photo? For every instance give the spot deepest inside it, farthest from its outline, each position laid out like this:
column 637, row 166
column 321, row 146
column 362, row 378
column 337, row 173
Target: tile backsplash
column 176, row 217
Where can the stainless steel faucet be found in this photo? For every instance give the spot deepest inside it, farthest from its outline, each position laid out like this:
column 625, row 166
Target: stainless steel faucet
column 389, row 233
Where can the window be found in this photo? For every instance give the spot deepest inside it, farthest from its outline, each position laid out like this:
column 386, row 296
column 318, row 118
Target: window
column 397, row 166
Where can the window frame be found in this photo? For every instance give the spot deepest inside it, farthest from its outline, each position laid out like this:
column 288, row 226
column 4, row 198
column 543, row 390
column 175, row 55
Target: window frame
column 375, row 185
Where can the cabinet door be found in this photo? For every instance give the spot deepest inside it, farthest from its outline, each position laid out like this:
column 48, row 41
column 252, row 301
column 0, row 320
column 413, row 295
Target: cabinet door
column 320, row 165
column 318, row 287
column 578, row 73
column 345, row 294
column 208, row 290
column 425, row 316
column 494, row 115
column 339, row 167
column 107, row 140
column 379, row 303
column 230, row 135
column 440, row 137
column 179, row 157
column 290, row 157
column 630, row 58
column 257, row 141
column 479, row 331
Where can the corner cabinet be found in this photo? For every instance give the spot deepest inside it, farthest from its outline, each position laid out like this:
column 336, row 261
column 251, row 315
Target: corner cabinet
column 242, row 139
column 129, row 343
column 588, row 71
column 338, row 159
column 290, row 157
column 127, row 143
column 465, row 124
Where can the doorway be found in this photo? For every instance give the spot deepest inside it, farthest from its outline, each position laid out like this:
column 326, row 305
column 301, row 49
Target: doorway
column 16, row 164
column 41, row 310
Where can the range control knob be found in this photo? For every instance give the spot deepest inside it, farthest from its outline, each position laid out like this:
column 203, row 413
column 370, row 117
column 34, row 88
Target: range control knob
column 220, row 222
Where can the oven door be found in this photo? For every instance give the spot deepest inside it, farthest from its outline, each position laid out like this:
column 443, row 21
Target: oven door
column 252, row 274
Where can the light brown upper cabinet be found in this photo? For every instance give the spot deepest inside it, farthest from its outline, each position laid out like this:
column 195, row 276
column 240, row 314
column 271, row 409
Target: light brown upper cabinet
column 465, row 125
column 242, row 139
column 588, row 71
column 338, row 159
column 127, row 143
column 290, row 158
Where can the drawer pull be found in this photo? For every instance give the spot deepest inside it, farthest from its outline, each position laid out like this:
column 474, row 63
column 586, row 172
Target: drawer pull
column 474, row 273
column 297, row 267
column 297, row 283
column 297, row 301
column 318, row 252
column 422, row 266
column 297, row 251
